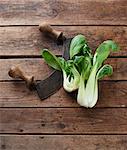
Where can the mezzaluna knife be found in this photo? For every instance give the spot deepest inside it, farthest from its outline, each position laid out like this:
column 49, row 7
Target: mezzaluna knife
column 53, row 82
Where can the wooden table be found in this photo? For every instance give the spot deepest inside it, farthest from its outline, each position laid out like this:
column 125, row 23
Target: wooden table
column 59, row 123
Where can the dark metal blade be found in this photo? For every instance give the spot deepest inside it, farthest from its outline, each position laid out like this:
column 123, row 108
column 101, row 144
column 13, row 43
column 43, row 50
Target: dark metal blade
column 50, row 85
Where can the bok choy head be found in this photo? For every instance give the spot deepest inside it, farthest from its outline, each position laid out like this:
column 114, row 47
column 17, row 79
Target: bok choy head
column 71, row 76
column 100, row 56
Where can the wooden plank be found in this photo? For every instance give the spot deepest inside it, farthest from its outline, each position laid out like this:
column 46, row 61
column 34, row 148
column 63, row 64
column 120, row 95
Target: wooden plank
column 22, row 41
column 38, row 68
column 111, row 94
column 32, row 12
column 66, row 142
column 63, row 121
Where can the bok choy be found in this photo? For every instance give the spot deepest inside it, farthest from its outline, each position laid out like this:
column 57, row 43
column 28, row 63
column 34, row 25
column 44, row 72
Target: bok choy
column 84, row 69
column 88, row 96
column 71, row 76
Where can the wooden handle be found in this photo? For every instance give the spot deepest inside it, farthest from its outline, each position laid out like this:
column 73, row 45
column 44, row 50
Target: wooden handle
column 52, row 33
column 16, row 72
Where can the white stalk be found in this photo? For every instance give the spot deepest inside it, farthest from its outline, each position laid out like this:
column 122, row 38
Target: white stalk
column 95, row 96
column 81, row 93
column 90, row 86
column 73, row 84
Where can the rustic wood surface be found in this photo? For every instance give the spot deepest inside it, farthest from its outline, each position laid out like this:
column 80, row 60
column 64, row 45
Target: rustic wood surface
column 17, row 95
column 59, row 123
column 20, row 41
column 63, row 120
column 64, row 142
column 63, row 12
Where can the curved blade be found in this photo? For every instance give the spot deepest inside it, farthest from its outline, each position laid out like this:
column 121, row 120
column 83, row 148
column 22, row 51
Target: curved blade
column 50, row 85
column 47, row 87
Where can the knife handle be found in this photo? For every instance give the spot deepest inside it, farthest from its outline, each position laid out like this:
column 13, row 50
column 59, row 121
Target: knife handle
column 47, row 30
column 16, row 72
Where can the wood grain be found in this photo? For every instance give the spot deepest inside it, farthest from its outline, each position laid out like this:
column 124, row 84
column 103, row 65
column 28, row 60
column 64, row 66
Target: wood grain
column 111, row 94
column 28, row 41
column 24, row 41
column 38, row 68
column 63, row 121
column 59, row 122
column 63, row 12
column 65, row 142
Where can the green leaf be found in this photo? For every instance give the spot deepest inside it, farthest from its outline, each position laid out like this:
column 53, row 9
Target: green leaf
column 106, row 70
column 113, row 45
column 86, row 67
column 86, row 49
column 51, row 59
column 78, row 59
column 83, row 64
column 66, row 65
column 62, row 62
column 77, row 44
column 104, row 50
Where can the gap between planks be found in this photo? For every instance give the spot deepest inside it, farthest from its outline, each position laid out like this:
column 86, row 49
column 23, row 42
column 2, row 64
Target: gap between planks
column 69, row 25
column 39, row 56
column 57, row 134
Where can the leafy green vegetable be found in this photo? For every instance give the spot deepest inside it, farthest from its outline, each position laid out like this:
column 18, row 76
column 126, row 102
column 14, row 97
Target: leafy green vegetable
column 83, row 70
column 71, row 76
column 102, row 52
